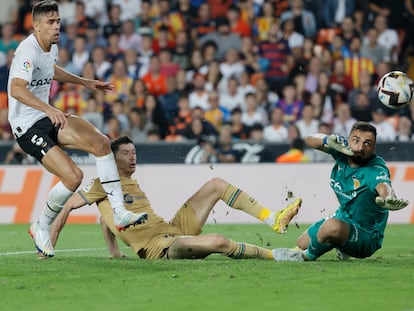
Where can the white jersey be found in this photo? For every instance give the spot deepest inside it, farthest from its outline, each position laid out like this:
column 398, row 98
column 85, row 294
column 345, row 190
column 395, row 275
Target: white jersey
column 35, row 66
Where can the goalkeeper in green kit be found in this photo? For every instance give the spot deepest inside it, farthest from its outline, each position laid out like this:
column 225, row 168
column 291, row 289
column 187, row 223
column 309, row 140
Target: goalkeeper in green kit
column 361, row 182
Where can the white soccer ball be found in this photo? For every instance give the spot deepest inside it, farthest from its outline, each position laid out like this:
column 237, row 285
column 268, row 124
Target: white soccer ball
column 395, row 89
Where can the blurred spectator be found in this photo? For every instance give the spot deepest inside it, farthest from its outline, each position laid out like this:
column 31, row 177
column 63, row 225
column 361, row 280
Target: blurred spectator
column 186, row 10
column 223, row 38
column 312, row 76
column 366, row 87
column 385, row 130
column 121, row 81
column 239, row 130
column 325, row 104
column 181, row 120
column 24, row 15
column 343, row 121
column 219, row 8
column 172, row 19
column 181, row 50
column 277, row 51
column 237, row 24
column 276, row 131
column 316, row 155
column 293, row 132
column 129, row 39
column 133, row 66
column 294, row 38
column 295, row 154
column 362, row 108
column 113, row 51
column 94, row 37
column 198, row 97
column 113, row 128
column 114, row 24
column 101, row 66
column 130, row 9
column 16, row 155
column 216, row 114
column 9, row 11
column 65, row 62
column 67, row 37
column 183, row 86
column 137, row 95
column 167, row 66
column 250, row 57
column 256, row 133
column 197, row 65
column 82, row 20
column 198, row 129
column 307, row 124
column 372, row 49
column 155, row 114
column 67, row 12
column 231, row 97
column 253, row 113
column 202, row 23
column 348, row 31
column 143, row 22
column 138, row 126
column 155, row 81
column 154, row 135
column 80, row 54
column 405, row 129
column 4, row 76
column 97, row 10
column 213, row 76
column 335, row 11
column 169, row 101
column 387, row 37
column 70, row 100
column 264, row 21
column 93, row 113
column 245, row 86
column 230, row 67
column 355, row 62
column 5, row 129
column 144, row 56
column 391, row 10
column 290, row 104
column 119, row 111
column 304, row 20
column 7, row 39
column 340, row 81
column 163, row 40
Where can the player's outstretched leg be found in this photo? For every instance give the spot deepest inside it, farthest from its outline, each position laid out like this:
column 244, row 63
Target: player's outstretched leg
column 110, row 181
column 40, row 229
column 277, row 220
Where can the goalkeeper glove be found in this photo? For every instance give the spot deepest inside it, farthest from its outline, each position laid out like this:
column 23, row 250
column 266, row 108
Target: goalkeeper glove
column 338, row 143
column 391, row 203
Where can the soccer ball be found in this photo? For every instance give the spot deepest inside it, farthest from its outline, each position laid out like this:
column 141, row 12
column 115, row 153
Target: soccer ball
column 395, row 89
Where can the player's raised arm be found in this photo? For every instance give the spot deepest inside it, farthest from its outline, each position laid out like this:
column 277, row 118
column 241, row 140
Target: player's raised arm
column 325, row 142
column 387, row 199
column 74, row 202
column 64, row 76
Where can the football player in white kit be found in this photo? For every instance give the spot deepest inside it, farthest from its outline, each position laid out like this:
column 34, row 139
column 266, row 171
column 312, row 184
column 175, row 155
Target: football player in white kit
column 42, row 130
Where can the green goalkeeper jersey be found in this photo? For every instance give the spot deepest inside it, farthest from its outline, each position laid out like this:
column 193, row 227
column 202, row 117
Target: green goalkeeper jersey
column 355, row 190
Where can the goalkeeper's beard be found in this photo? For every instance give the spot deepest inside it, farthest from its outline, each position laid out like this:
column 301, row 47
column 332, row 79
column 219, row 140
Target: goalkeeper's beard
column 360, row 160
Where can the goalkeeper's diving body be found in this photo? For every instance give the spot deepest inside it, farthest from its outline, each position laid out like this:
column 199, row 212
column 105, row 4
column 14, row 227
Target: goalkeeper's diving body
column 180, row 238
column 361, row 182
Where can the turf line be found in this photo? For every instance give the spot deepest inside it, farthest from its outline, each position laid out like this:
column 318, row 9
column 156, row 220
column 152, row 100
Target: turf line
column 56, row 251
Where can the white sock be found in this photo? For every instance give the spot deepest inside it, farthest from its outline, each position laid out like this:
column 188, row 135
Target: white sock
column 110, row 181
column 57, row 197
column 270, row 221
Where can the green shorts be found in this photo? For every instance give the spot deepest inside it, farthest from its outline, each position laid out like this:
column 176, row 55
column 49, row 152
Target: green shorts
column 360, row 243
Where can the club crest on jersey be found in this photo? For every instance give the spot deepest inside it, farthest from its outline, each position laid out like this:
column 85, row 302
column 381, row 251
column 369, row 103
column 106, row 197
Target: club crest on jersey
column 357, row 183
column 128, row 199
column 27, row 65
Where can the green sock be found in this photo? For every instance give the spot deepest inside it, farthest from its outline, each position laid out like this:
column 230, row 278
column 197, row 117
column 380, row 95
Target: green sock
column 316, row 249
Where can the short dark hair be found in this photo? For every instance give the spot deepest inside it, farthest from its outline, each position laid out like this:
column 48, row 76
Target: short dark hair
column 123, row 140
column 364, row 127
column 43, row 7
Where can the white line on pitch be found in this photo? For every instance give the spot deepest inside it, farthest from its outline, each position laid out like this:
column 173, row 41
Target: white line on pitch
column 56, row 251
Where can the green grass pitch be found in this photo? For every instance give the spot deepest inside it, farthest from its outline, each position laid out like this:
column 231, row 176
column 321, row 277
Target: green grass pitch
column 82, row 277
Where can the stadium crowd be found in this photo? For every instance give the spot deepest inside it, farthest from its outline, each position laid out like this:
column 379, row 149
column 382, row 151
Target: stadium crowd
column 218, row 71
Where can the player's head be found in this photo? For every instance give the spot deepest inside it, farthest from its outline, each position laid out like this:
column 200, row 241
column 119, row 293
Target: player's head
column 46, row 21
column 125, row 155
column 362, row 140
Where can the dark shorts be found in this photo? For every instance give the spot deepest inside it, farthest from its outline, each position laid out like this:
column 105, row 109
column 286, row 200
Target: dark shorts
column 360, row 243
column 39, row 139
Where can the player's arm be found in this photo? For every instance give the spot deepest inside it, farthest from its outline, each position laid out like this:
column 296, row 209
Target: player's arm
column 387, row 199
column 325, row 142
column 19, row 90
column 110, row 240
column 74, row 202
column 64, row 76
